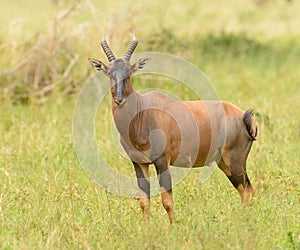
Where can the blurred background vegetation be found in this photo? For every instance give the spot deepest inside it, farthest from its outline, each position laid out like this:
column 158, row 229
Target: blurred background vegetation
column 44, row 44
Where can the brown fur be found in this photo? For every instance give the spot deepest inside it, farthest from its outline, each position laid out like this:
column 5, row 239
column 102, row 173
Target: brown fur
column 228, row 143
column 156, row 129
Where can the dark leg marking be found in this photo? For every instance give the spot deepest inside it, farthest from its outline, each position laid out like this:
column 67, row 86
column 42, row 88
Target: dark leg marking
column 165, row 182
column 142, row 174
column 236, row 173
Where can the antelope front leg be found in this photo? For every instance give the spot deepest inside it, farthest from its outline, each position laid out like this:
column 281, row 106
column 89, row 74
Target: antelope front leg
column 142, row 175
column 165, row 182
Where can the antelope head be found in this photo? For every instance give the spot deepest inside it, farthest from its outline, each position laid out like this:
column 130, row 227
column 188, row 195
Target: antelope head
column 119, row 70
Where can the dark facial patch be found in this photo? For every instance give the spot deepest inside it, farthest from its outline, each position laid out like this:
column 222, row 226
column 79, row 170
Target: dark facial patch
column 119, row 71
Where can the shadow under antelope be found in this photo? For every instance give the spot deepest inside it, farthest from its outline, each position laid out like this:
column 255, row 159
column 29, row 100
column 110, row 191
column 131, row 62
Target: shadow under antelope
column 156, row 129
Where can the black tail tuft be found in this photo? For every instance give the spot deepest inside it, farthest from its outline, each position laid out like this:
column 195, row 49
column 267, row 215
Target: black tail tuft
column 251, row 124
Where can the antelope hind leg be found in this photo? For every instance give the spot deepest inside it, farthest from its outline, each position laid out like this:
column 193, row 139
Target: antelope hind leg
column 236, row 173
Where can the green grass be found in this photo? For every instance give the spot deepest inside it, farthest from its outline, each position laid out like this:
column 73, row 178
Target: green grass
column 251, row 54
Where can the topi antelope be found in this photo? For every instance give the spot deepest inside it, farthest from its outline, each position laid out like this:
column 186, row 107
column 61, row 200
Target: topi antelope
column 156, row 129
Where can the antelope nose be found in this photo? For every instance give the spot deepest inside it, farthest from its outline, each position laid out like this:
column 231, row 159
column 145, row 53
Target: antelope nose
column 119, row 100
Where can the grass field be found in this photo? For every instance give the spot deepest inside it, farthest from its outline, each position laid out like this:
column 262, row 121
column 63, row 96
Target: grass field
column 250, row 52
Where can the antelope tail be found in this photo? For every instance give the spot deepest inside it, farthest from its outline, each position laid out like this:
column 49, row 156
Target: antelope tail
column 251, row 124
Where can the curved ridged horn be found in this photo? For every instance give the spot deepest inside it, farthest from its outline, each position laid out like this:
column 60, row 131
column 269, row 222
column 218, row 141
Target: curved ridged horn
column 107, row 50
column 131, row 48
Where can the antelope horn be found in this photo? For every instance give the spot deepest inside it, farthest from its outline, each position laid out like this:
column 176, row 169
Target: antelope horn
column 131, row 48
column 107, row 50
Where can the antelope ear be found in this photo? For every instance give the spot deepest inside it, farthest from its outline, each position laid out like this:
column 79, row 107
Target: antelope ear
column 98, row 65
column 140, row 64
